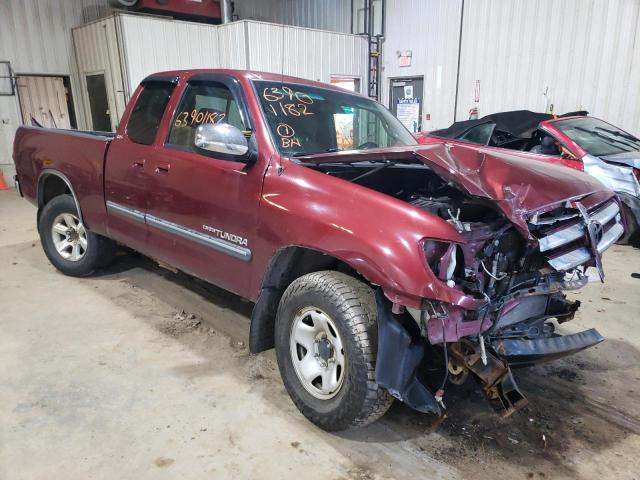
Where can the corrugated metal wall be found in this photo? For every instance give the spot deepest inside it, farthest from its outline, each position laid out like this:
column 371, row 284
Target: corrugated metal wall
column 430, row 29
column 584, row 53
column 334, row 15
column 307, row 53
column 153, row 44
column 233, row 45
column 127, row 48
column 96, row 48
column 35, row 37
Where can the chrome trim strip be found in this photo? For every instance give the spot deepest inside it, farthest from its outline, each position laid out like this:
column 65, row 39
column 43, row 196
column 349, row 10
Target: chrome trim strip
column 610, row 237
column 581, row 255
column 126, row 212
column 576, row 231
column 222, row 246
column 218, row 244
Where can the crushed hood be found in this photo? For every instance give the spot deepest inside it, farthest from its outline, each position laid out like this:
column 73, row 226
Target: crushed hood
column 632, row 159
column 520, row 185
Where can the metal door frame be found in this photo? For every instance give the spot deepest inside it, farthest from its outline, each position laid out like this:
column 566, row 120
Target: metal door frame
column 412, row 77
column 89, row 118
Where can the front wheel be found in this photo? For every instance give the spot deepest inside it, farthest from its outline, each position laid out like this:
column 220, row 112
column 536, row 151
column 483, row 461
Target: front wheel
column 326, row 345
column 69, row 246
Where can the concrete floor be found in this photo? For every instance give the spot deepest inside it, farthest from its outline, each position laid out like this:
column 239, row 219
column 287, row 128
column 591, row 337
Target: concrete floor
column 141, row 373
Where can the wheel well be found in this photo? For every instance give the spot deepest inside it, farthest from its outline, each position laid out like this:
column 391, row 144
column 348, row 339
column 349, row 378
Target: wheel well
column 286, row 265
column 51, row 186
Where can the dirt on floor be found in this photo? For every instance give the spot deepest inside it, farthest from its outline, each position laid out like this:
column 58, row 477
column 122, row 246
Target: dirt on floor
column 138, row 372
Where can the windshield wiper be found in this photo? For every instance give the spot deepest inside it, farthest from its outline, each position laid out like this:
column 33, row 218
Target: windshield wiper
column 372, row 171
column 304, row 154
column 607, row 138
column 619, row 134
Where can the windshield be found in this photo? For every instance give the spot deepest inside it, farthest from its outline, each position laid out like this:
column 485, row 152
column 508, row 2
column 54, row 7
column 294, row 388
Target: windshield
column 598, row 138
column 479, row 135
column 305, row 120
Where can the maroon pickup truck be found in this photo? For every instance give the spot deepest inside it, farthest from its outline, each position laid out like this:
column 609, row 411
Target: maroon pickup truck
column 379, row 268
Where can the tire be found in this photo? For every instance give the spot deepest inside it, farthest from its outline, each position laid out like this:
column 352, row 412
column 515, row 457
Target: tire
column 350, row 308
column 632, row 233
column 80, row 257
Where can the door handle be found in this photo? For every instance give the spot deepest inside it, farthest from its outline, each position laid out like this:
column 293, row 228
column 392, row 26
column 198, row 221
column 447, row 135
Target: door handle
column 139, row 163
column 162, row 168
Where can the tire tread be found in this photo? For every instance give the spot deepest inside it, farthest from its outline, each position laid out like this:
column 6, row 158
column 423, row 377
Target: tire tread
column 356, row 302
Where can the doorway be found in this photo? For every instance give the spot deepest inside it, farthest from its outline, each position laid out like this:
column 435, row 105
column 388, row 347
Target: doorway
column 406, row 101
column 98, row 103
column 348, row 83
column 46, row 101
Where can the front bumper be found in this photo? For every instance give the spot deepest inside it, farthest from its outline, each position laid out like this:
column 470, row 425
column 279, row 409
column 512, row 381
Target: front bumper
column 525, row 352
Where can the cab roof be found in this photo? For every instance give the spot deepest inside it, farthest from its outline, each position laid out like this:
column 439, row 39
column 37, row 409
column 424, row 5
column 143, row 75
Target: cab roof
column 251, row 75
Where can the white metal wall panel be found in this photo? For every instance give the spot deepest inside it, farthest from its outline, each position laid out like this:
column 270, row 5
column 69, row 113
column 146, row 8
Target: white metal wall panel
column 584, row 53
column 307, row 53
column 96, row 50
column 334, row 15
column 152, row 44
column 34, row 34
column 232, row 45
column 35, row 37
column 430, row 29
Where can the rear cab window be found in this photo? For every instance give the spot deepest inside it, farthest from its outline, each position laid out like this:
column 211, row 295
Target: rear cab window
column 147, row 113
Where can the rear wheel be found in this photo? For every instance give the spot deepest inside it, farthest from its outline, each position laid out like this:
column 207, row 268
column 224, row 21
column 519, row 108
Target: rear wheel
column 326, row 344
column 69, row 246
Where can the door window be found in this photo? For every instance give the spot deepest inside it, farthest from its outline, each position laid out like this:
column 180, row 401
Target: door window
column 203, row 103
column 480, row 134
column 147, row 113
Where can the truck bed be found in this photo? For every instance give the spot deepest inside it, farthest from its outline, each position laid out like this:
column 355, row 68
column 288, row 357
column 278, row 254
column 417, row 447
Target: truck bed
column 74, row 155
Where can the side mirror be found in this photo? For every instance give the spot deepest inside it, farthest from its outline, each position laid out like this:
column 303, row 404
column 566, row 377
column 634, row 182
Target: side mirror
column 221, row 138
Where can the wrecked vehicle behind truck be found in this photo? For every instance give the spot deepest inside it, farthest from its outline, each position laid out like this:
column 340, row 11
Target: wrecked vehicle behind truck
column 370, row 259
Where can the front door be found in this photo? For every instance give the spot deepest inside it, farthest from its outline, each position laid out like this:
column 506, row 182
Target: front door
column 406, row 102
column 203, row 205
column 128, row 168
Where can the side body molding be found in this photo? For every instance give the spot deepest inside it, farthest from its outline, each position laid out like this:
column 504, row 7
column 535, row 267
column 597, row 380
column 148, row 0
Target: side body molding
column 220, row 245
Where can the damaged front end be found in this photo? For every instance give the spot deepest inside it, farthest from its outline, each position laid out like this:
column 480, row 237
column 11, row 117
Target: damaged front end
column 511, row 287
